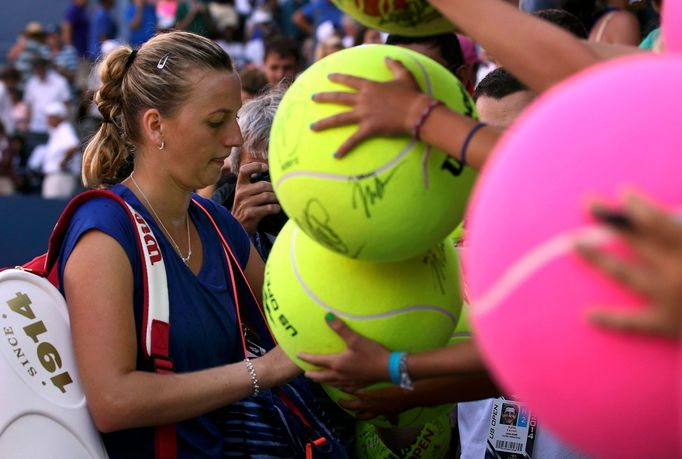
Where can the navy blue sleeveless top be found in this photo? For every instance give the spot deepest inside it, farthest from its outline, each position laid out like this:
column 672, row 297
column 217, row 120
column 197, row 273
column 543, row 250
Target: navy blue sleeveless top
column 204, row 330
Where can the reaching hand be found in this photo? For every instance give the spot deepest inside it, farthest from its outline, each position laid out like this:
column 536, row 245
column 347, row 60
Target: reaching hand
column 656, row 273
column 379, row 109
column 386, row 401
column 253, row 201
column 364, row 361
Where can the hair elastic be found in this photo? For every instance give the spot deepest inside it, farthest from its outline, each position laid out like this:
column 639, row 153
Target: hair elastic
column 131, row 58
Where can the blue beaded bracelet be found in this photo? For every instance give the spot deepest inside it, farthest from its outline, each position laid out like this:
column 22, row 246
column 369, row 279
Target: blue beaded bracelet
column 394, row 366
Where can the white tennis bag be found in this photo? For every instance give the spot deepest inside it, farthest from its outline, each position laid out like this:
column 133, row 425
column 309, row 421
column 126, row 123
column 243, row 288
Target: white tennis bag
column 43, row 411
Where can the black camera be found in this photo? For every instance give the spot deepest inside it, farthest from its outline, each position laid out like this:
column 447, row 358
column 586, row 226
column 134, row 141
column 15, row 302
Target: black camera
column 260, row 176
column 271, row 224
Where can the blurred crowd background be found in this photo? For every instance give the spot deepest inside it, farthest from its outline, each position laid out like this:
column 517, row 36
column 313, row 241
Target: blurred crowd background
column 49, row 53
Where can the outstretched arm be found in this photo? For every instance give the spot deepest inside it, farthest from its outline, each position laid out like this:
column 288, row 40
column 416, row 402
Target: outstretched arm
column 393, row 108
column 393, row 400
column 538, row 53
column 365, row 362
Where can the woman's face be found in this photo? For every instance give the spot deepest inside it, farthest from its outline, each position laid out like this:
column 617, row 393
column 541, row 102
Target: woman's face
column 203, row 131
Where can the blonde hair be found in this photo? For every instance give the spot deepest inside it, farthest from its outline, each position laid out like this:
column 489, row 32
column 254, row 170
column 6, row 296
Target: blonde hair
column 156, row 76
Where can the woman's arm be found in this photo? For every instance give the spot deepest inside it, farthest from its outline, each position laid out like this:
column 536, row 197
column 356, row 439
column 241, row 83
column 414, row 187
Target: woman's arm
column 105, row 343
column 254, row 272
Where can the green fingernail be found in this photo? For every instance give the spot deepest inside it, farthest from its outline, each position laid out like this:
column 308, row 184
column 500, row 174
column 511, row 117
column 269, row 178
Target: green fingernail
column 313, row 96
column 312, row 126
column 337, row 155
column 329, row 317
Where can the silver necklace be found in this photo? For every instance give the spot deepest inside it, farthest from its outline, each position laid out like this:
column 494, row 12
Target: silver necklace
column 177, row 248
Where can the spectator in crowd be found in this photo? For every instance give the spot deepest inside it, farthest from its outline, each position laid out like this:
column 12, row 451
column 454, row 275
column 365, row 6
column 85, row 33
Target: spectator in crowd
column 58, row 159
column 7, row 176
column 224, row 15
column 64, row 57
column 285, row 12
column 329, row 45
column 500, row 98
column 76, row 27
column 250, row 197
column 141, row 19
column 309, row 17
column 443, row 48
column 564, row 19
column 351, row 28
column 652, row 40
column 254, row 83
column 258, row 29
column 24, row 180
column 606, row 21
column 165, row 14
column 11, row 77
column 282, row 61
column 43, row 88
column 104, row 27
column 20, row 110
column 6, row 118
column 623, row 26
column 368, row 36
column 29, row 46
column 228, row 39
column 472, row 61
column 193, row 16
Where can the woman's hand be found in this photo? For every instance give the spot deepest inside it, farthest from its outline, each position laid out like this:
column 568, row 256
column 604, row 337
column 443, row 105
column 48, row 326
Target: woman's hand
column 364, row 361
column 656, row 272
column 379, row 109
column 276, row 368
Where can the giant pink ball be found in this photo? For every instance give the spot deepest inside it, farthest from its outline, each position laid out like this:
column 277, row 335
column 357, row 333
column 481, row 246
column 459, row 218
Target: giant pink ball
column 615, row 126
column 671, row 25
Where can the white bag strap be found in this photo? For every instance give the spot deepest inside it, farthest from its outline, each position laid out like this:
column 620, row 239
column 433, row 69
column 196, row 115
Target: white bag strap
column 155, row 315
column 155, row 321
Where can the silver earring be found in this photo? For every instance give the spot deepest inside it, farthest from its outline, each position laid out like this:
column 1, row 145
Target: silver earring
column 163, row 144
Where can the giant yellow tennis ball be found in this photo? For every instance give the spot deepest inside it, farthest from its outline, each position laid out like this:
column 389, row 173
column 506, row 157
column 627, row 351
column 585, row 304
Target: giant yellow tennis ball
column 402, row 17
column 390, row 198
column 411, row 305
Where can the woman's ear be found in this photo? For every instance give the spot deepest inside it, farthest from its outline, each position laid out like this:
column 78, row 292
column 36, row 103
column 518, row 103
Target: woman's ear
column 152, row 127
